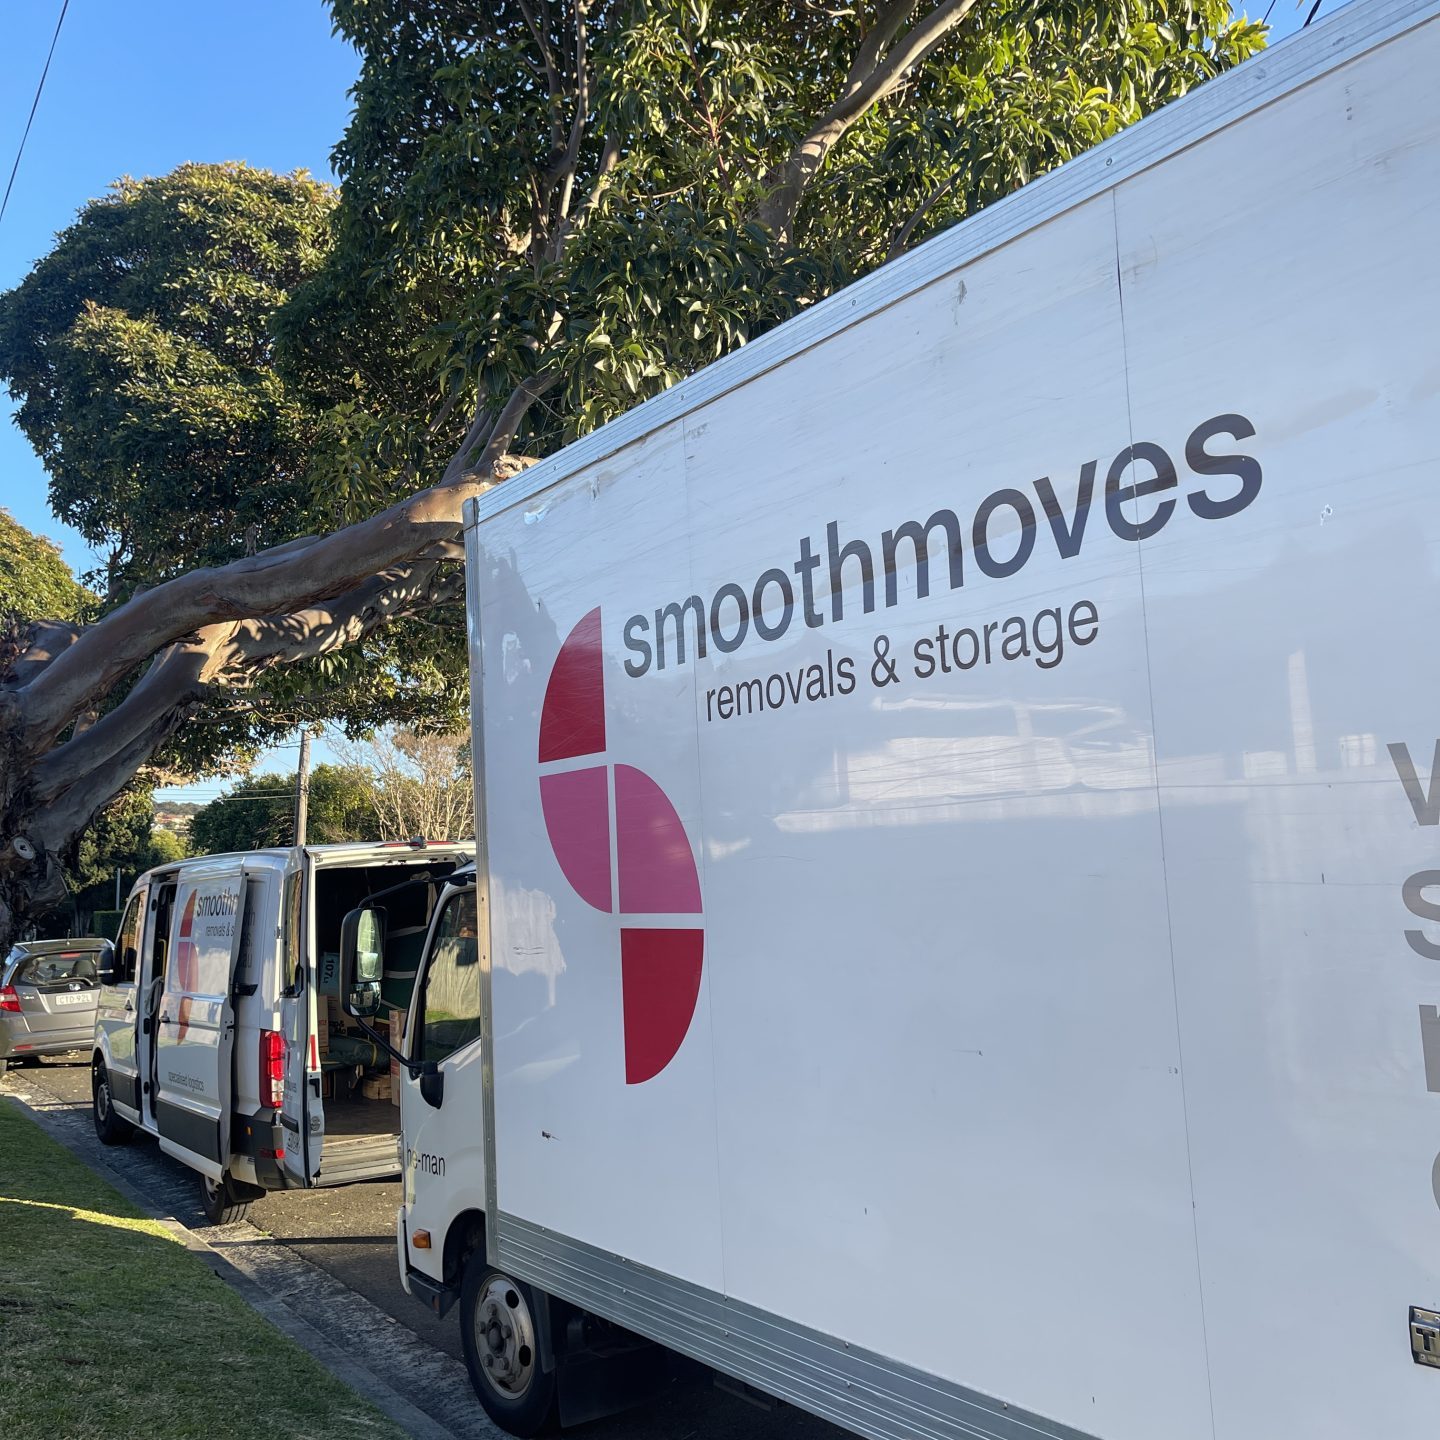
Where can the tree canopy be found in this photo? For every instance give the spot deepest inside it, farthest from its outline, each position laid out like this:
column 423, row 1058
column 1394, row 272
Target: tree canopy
column 548, row 212
column 140, row 351
column 260, row 810
column 35, row 581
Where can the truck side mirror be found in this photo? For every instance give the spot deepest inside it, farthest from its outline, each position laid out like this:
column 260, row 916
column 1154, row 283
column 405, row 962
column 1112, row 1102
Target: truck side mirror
column 362, row 961
column 106, row 973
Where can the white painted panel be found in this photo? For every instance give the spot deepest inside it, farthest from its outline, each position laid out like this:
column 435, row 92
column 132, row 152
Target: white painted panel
column 1286, row 269
column 934, row 1099
column 944, row 1020
column 936, row 973
column 630, row 1168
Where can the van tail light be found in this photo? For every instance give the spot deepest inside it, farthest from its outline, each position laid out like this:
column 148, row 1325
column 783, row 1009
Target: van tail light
column 9, row 1000
column 272, row 1068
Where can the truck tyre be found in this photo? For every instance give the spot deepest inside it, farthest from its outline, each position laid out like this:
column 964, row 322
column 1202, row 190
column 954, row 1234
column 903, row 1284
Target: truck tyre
column 497, row 1327
column 112, row 1129
column 227, row 1200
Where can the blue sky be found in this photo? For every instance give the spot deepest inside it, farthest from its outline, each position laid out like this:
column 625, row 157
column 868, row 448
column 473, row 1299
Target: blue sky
column 136, row 88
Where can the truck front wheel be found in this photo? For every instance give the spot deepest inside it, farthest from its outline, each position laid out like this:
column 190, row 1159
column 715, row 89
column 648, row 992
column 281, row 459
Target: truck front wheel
column 497, row 1326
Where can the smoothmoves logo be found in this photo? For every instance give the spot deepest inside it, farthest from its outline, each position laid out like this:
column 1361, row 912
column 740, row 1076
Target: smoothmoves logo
column 625, row 852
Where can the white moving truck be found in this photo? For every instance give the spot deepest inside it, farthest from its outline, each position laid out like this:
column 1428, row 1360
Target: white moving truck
column 219, row 1029
column 959, row 899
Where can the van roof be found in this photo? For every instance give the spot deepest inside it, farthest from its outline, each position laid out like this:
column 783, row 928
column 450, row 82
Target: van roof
column 327, row 855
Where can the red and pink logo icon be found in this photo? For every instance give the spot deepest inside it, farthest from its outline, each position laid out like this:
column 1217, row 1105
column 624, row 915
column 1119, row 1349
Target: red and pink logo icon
column 632, row 859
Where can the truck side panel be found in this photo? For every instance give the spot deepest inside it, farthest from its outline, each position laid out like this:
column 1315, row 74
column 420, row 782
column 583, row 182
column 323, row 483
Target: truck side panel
column 1023, row 696
column 1295, row 255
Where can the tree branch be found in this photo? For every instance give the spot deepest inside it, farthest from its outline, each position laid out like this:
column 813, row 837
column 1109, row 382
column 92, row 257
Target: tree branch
column 524, row 395
column 174, row 679
column 322, row 629
column 902, row 235
column 862, row 91
column 45, row 641
column 563, row 171
column 264, row 584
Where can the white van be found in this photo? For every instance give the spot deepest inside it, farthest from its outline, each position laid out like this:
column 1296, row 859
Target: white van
column 218, row 1028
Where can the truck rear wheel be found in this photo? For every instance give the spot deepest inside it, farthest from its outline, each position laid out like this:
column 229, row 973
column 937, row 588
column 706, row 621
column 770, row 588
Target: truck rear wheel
column 226, row 1201
column 111, row 1128
column 497, row 1326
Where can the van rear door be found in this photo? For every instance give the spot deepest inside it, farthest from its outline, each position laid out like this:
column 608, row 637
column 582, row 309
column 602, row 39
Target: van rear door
column 195, row 1027
column 301, row 1111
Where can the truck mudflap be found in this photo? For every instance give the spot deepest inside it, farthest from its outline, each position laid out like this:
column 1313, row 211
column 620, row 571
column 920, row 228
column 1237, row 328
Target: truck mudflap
column 434, row 1294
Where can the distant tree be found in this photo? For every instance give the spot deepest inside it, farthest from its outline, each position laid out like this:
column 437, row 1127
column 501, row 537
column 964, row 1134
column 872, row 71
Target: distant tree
column 122, row 838
column 35, row 581
column 420, row 784
column 260, row 811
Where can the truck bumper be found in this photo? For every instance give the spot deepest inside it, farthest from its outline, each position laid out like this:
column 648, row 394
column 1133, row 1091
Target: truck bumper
column 261, row 1138
column 435, row 1295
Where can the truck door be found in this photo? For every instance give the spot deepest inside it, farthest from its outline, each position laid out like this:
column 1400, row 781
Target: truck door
column 116, row 1015
column 444, row 1168
column 301, row 1112
column 195, row 1027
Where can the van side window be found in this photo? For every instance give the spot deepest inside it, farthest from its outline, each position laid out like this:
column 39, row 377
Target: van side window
column 450, row 1006
column 127, row 940
column 294, row 923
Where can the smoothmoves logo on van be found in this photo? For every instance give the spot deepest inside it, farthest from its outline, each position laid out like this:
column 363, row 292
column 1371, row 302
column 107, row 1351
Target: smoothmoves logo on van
column 631, row 859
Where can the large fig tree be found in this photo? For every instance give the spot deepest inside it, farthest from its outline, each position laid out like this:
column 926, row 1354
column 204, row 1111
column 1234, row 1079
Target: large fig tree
column 550, row 210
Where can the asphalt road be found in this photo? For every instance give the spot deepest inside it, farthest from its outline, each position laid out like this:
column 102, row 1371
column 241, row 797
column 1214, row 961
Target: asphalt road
column 346, row 1237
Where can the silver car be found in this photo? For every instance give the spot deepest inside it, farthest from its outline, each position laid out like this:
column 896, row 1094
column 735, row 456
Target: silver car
column 48, row 990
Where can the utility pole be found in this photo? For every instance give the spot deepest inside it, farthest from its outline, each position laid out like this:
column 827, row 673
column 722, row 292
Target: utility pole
column 302, row 789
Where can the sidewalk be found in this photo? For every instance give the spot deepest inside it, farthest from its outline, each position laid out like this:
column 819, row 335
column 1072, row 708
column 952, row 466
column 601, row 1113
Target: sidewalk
column 107, row 1325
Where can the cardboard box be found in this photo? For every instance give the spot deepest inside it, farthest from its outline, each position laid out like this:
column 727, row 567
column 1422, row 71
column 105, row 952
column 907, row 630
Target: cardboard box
column 377, row 1088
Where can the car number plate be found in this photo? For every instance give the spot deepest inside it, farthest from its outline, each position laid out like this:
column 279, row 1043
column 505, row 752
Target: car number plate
column 71, row 999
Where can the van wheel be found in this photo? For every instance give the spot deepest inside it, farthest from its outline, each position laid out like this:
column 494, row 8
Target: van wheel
column 112, row 1128
column 497, row 1327
column 226, row 1201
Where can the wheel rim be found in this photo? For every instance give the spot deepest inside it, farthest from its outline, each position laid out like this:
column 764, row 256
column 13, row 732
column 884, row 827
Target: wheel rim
column 102, row 1096
column 505, row 1337
column 212, row 1190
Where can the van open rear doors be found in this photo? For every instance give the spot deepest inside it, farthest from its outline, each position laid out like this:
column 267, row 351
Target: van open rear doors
column 302, row 1116
column 195, row 1026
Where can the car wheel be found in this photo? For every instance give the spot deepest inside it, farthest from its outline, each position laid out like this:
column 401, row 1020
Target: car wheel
column 226, row 1201
column 497, row 1328
column 113, row 1129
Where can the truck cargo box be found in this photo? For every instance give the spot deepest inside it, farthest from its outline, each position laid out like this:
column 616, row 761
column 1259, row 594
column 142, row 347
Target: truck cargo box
column 959, row 786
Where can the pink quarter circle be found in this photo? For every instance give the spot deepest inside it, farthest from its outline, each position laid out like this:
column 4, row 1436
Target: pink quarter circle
column 657, row 866
column 576, row 804
column 660, row 984
column 572, row 717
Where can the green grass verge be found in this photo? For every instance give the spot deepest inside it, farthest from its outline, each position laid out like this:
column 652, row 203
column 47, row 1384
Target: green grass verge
column 109, row 1327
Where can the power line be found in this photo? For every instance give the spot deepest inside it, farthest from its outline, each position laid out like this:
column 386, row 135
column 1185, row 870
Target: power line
column 35, row 105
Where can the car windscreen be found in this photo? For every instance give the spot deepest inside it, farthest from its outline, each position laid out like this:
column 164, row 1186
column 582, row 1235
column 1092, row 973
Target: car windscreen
column 57, row 971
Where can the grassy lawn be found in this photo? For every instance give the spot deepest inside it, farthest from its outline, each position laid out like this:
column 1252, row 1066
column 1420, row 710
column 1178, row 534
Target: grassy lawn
column 108, row 1327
